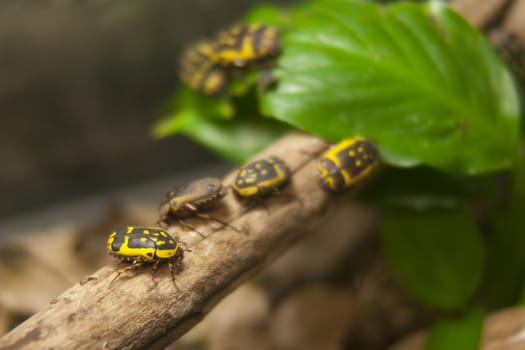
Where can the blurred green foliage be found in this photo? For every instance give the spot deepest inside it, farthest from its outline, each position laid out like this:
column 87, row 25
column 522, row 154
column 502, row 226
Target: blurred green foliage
column 456, row 334
column 418, row 80
column 429, row 90
column 438, row 255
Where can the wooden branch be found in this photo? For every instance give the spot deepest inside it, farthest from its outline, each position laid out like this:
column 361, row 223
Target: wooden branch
column 515, row 20
column 135, row 313
column 479, row 13
column 504, row 329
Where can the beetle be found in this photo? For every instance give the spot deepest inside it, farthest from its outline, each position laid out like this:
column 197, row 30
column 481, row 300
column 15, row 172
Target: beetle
column 190, row 200
column 200, row 69
column 144, row 245
column 244, row 45
column 261, row 178
column 347, row 163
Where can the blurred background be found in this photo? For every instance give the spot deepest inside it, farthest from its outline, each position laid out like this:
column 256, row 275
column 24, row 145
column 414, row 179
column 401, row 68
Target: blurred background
column 81, row 85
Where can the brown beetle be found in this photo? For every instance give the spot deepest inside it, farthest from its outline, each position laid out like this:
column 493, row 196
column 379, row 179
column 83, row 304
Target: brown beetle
column 190, row 199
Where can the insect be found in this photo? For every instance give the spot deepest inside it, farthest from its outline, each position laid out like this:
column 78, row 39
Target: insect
column 511, row 49
column 261, row 178
column 199, row 69
column 144, row 245
column 244, row 45
column 190, row 199
column 347, row 163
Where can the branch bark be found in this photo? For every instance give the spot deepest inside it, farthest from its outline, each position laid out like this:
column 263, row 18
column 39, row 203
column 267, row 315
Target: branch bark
column 479, row 13
column 136, row 313
column 515, row 20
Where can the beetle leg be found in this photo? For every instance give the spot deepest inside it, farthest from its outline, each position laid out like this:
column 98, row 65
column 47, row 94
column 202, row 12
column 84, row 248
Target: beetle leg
column 172, row 272
column 190, row 227
column 255, row 201
column 191, row 207
column 135, row 265
column 162, row 222
column 210, row 217
column 154, row 269
column 182, row 243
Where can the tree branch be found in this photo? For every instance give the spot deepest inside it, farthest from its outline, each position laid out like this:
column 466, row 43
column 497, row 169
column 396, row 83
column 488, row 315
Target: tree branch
column 135, row 313
column 479, row 13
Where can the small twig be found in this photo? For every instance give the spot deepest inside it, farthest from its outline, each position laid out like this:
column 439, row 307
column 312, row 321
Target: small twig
column 136, row 314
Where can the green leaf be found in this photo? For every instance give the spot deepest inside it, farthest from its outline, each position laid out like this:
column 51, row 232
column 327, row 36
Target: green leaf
column 505, row 273
column 187, row 100
column 417, row 79
column 206, row 120
column 437, row 255
column 266, row 14
column 240, row 86
column 518, row 192
column 424, row 188
column 521, row 300
column 456, row 334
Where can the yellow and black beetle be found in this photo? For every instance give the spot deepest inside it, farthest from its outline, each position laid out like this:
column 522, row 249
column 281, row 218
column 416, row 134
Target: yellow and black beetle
column 244, row 45
column 200, row 69
column 261, row 178
column 347, row 163
column 144, row 245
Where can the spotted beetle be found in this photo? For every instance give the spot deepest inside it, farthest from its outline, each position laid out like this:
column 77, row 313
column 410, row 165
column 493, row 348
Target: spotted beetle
column 347, row 163
column 200, row 69
column 144, row 245
column 260, row 178
column 244, row 45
